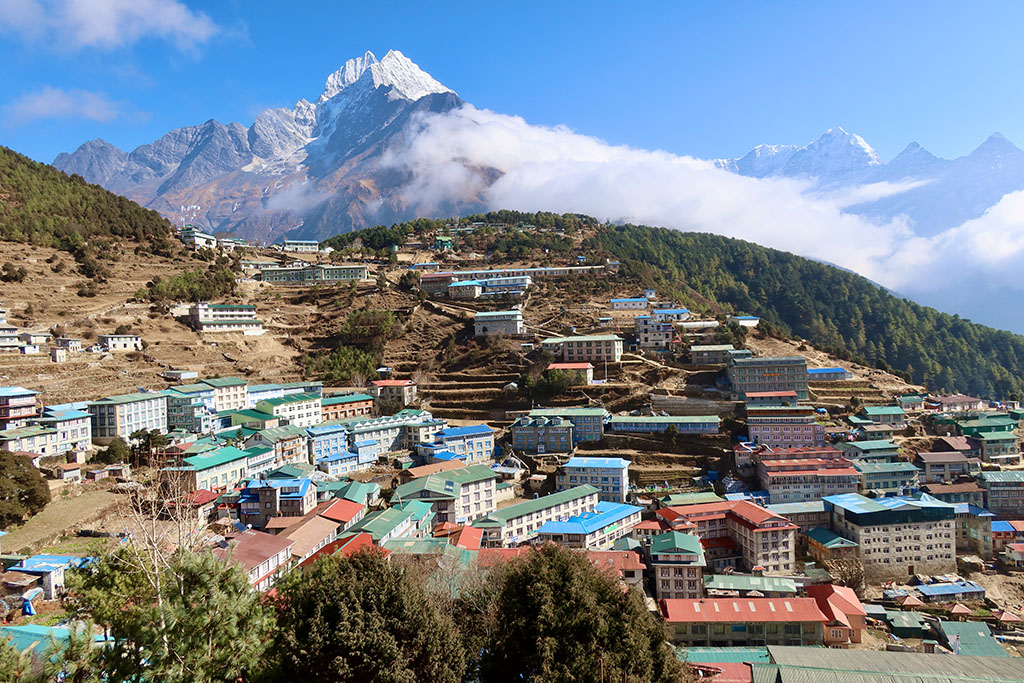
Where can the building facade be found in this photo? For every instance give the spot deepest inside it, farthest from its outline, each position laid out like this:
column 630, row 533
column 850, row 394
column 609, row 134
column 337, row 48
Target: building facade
column 782, row 373
column 610, row 476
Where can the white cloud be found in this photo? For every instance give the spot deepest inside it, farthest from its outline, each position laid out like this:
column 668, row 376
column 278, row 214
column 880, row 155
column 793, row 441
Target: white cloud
column 54, row 103
column 75, row 24
column 457, row 155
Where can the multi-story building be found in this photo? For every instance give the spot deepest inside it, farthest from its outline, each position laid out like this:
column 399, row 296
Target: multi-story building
column 721, row 622
column 474, row 443
column 785, row 426
column 487, row 323
column 595, row 348
column 519, row 523
column 798, row 480
column 190, row 408
column 261, row 392
column 710, row 354
column 263, row 556
column 206, row 317
column 876, row 450
column 888, row 477
column 122, row 415
column 73, row 428
column 398, row 392
column 974, row 530
column 71, row 344
column 806, row 515
column 675, row 315
column 263, row 499
column 300, row 410
column 288, row 444
column 587, row 423
column 997, row 447
column 301, row 246
column 782, row 373
column 542, row 434
column 411, row 519
column 610, row 476
column 595, row 529
column 651, row 334
column 897, row 536
column 214, row 470
column 1004, row 492
column 961, row 492
column 884, row 415
column 460, row 496
column 437, row 283
column 757, row 536
column 940, row 467
column 18, row 406
column 120, row 342
column 342, row 406
column 229, row 393
column 676, row 563
column 304, row 275
column 656, row 424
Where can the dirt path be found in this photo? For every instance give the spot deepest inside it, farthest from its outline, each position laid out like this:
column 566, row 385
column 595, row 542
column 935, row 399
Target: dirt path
column 60, row 515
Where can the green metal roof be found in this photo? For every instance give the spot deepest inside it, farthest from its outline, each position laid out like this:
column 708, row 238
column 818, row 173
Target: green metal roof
column 883, row 410
column 881, row 467
column 1004, row 477
column 975, row 638
column 568, row 412
column 495, row 314
column 665, row 419
column 829, row 539
column 712, row 347
column 445, row 484
column 875, row 445
column 127, row 398
column 292, row 398
column 676, row 542
column 275, row 434
column 743, row 582
column 995, row 436
column 348, row 398
column 722, row 655
column 219, row 457
column 536, row 504
column 691, row 498
column 224, row 381
column 380, row 523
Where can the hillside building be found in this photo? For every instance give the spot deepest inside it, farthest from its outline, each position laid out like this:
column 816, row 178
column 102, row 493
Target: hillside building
column 397, row 392
column 300, row 410
column 516, row 524
column 610, row 476
column 122, row 415
column 206, row 317
column 657, row 424
column 301, row 246
column 488, row 323
column 459, row 496
column 597, row 348
column 18, row 406
column 784, row 426
column 721, row 622
column 312, row 274
column 710, row 354
column 898, row 536
column 651, row 334
column 595, row 529
column 587, row 423
column 782, row 373
column 676, row 562
column 542, row 434
column 114, row 343
column 342, row 406
column 637, row 303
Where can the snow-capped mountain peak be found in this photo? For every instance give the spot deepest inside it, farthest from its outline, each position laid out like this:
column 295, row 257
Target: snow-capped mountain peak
column 348, row 74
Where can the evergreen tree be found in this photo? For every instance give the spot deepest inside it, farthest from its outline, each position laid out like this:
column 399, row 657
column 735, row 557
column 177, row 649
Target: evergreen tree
column 23, row 491
column 559, row 618
column 363, row 618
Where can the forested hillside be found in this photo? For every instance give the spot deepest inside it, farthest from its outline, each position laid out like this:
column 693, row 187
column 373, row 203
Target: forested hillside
column 836, row 310
column 43, row 206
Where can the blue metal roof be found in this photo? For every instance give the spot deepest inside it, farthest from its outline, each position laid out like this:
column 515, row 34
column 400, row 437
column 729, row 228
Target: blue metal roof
column 604, row 513
column 967, row 508
column 583, row 461
column 620, row 301
column 365, row 442
column 302, row 484
column 671, row 311
column 446, row 455
column 335, row 457
column 1002, row 527
column 957, row 588
column 44, row 564
column 818, row 371
column 16, row 391
column 471, row 430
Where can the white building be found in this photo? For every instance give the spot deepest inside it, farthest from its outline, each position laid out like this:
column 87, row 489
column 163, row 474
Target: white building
column 120, row 416
column 592, row 348
column 487, row 323
column 639, row 303
column 301, row 246
column 517, row 524
column 301, row 410
column 120, row 342
column 229, row 393
column 206, row 317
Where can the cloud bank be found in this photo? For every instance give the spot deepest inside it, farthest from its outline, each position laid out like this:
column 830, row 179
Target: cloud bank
column 54, row 103
column 105, row 24
column 554, row 169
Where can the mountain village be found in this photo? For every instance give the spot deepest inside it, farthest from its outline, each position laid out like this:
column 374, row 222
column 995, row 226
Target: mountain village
column 761, row 495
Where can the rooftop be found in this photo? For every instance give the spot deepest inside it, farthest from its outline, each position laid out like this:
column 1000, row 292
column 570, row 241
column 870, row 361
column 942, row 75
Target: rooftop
column 499, row 517
column 603, row 514
column 741, row 610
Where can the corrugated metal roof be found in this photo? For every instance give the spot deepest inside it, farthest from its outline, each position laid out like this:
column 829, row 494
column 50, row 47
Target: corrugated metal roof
column 824, row 665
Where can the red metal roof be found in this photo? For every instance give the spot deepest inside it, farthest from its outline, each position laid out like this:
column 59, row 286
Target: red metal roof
column 346, row 547
column 620, row 560
column 392, row 382
column 342, row 510
column 741, row 610
column 490, row 557
column 770, row 394
column 570, row 366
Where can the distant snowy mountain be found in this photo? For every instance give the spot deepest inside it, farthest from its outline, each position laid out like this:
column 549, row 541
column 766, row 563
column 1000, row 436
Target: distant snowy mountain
column 945, row 193
column 310, row 169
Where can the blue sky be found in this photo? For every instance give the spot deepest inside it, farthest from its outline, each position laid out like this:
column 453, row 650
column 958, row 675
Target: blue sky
column 707, row 79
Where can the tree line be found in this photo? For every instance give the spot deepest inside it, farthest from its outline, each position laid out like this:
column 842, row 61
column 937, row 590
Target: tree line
column 185, row 616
